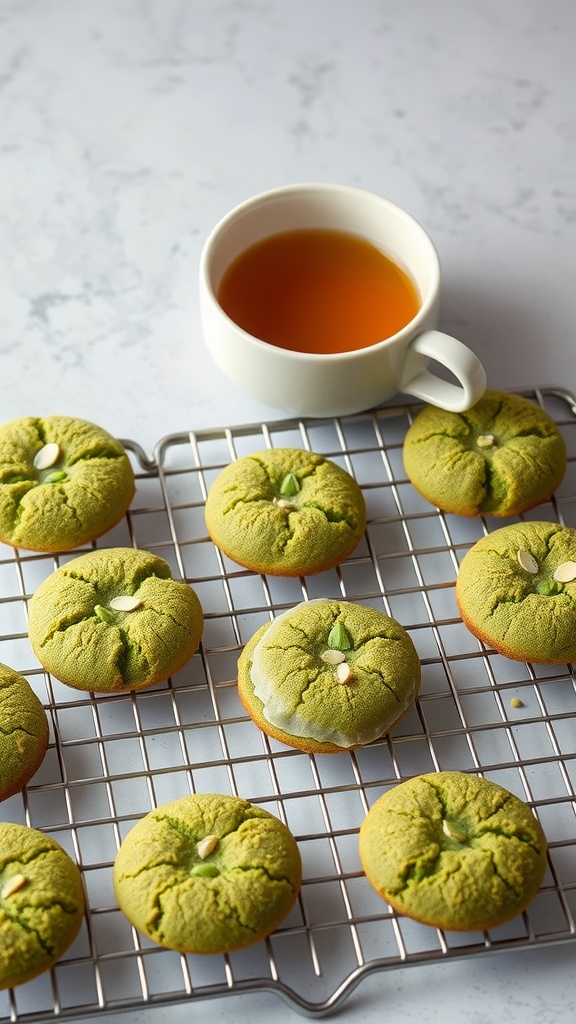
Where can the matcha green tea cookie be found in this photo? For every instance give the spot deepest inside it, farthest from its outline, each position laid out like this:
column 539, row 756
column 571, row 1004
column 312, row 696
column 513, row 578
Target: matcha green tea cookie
column 285, row 512
column 207, row 874
column 516, row 591
column 501, row 457
column 41, row 903
column 453, row 851
column 114, row 619
column 328, row 675
column 23, row 732
column 63, row 482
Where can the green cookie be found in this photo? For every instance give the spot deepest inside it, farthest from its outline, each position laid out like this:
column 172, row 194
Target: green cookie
column 63, row 482
column 41, row 903
column 23, row 732
column 114, row 619
column 501, row 457
column 285, row 512
column 516, row 591
column 329, row 675
column 453, row 851
column 208, row 873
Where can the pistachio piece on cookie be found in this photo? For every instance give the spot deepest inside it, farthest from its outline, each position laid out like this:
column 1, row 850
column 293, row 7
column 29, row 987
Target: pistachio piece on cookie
column 286, row 512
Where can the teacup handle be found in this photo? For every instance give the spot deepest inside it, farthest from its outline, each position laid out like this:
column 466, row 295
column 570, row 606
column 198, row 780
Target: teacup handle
column 457, row 358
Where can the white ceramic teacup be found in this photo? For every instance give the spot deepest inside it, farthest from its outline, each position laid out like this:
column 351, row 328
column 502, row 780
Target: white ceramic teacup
column 336, row 384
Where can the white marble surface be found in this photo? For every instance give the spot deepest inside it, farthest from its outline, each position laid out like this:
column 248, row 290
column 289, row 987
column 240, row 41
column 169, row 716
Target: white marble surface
column 128, row 127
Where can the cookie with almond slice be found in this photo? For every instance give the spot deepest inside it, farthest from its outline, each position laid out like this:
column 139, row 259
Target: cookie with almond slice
column 63, row 482
column 114, row 619
column 207, row 873
column 328, row 675
column 516, row 592
column 41, row 903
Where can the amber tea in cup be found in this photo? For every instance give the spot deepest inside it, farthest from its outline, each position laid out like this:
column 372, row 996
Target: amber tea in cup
column 318, row 290
column 323, row 299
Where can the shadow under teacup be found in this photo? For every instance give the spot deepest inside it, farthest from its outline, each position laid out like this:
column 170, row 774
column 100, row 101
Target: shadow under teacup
column 323, row 300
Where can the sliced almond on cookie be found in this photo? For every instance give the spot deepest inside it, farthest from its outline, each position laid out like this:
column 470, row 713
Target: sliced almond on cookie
column 47, row 456
column 333, row 657
column 125, row 603
column 343, row 673
column 566, row 572
column 527, row 561
column 206, row 846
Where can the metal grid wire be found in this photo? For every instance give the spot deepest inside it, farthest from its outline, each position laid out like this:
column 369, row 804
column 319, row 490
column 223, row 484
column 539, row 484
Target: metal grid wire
column 112, row 758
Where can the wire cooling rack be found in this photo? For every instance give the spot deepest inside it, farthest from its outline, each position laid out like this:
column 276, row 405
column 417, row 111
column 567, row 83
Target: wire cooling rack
column 112, row 758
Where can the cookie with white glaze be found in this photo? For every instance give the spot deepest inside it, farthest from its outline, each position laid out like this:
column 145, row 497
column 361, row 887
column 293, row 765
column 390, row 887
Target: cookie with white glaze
column 329, row 675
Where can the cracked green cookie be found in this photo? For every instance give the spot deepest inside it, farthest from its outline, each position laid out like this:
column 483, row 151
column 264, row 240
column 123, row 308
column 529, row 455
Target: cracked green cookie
column 113, row 620
column 23, row 732
column 63, row 482
column 501, row 457
column 285, row 512
column 453, row 851
column 328, row 676
column 41, row 903
column 208, row 873
column 516, row 591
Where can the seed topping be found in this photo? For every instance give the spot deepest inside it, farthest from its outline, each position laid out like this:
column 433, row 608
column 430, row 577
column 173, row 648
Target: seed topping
column 14, row 885
column 548, row 587
column 565, row 573
column 339, row 637
column 47, row 456
column 454, row 831
column 103, row 613
column 288, row 489
column 205, row 870
column 290, row 485
column 125, row 603
column 333, row 657
column 527, row 561
column 343, row 673
column 485, row 440
column 206, row 846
